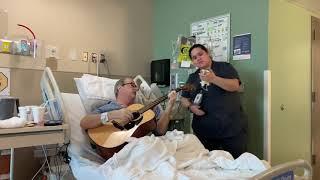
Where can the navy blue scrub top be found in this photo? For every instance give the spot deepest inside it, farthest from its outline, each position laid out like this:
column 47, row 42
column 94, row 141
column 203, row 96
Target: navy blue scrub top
column 224, row 114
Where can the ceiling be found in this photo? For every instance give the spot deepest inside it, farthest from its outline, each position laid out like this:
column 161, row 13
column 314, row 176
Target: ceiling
column 311, row 5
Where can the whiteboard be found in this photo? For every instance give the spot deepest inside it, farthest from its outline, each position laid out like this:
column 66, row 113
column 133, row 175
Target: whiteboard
column 214, row 33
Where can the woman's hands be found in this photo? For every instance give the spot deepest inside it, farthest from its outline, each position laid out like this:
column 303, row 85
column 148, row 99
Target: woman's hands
column 195, row 109
column 207, row 75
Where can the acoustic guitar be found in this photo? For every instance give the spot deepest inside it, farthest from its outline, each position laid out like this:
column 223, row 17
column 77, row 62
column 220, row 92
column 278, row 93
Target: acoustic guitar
column 110, row 138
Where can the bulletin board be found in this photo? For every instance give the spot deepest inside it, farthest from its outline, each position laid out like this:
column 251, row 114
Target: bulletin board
column 214, row 33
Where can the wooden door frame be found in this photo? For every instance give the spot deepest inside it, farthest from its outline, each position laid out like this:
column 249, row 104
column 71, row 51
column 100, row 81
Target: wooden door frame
column 315, row 83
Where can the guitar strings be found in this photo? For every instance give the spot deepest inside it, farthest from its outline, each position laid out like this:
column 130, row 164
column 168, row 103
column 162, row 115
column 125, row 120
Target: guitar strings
column 187, row 87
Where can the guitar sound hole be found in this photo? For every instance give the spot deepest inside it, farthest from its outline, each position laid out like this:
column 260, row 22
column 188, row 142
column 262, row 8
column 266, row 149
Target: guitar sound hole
column 136, row 115
column 129, row 125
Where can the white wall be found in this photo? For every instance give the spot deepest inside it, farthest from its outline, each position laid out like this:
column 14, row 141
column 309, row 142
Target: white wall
column 122, row 28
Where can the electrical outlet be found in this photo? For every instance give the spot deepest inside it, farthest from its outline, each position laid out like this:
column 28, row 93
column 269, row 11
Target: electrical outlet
column 102, row 58
column 52, row 52
column 85, row 56
column 94, row 57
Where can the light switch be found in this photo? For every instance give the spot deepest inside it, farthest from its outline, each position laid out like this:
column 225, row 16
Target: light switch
column 85, row 56
column 52, row 52
column 94, row 57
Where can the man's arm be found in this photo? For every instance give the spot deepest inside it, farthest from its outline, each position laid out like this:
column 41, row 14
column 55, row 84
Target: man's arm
column 185, row 102
column 231, row 85
column 122, row 116
column 91, row 121
column 162, row 124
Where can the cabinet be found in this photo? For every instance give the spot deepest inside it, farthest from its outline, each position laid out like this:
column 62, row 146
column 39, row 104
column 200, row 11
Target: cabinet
column 31, row 136
column 4, row 165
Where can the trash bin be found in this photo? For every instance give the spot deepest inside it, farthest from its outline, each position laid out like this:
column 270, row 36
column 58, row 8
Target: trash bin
column 7, row 107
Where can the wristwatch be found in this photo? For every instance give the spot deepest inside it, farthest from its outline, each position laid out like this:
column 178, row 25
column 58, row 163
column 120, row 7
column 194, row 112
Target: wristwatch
column 104, row 118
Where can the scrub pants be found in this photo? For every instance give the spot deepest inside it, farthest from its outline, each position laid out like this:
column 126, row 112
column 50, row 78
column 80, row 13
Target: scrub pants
column 235, row 145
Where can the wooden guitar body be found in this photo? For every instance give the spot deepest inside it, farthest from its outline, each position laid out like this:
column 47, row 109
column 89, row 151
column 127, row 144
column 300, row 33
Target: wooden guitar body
column 110, row 140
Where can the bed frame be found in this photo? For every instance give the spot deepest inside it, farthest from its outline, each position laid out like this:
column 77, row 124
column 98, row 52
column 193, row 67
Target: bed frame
column 287, row 171
column 51, row 95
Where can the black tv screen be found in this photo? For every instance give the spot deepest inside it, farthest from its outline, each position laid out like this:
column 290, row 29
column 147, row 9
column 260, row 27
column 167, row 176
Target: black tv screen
column 160, row 72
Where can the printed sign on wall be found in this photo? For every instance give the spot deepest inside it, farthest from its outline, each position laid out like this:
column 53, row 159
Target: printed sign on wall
column 4, row 81
column 242, row 47
column 214, row 33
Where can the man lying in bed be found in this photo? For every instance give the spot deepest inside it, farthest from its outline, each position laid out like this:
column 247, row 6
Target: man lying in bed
column 125, row 92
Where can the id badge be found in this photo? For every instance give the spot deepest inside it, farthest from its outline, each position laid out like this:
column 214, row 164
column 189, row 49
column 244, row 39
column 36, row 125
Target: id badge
column 198, row 99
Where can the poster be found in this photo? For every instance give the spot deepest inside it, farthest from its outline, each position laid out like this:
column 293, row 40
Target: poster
column 184, row 53
column 4, row 81
column 242, row 47
column 214, row 33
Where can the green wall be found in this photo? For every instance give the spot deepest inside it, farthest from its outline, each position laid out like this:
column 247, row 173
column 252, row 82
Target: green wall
column 290, row 65
column 173, row 17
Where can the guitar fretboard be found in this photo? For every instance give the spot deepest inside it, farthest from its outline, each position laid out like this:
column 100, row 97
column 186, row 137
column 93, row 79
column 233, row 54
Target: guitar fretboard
column 187, row 87
column 153, row 104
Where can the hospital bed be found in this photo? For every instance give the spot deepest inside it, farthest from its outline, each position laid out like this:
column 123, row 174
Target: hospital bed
column 173, row 156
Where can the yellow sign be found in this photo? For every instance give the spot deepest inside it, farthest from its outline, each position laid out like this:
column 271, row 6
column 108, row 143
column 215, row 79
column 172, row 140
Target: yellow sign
column 5, row 46
column 184, row 53
column 3, row 82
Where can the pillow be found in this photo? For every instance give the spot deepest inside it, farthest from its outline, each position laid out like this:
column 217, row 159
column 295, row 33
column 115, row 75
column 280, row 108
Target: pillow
column 89, row 104
column 80, row 143
column 98, row 87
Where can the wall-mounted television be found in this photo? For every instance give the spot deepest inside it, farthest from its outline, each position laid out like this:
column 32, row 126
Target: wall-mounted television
column 160, row 72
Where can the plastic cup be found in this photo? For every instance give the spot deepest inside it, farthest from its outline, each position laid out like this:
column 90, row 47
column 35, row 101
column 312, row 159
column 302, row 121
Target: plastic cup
column 30, row 115
column 23, row 113
column 38, row 114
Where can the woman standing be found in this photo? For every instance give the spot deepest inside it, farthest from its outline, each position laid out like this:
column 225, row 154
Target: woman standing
column 218, row 118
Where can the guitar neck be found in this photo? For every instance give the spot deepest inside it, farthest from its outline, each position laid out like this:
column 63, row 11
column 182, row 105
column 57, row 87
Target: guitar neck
column 153, row 104
column 160, row 99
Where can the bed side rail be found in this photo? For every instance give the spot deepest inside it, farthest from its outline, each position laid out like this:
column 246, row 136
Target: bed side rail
column 52, row 97
column 286, row 171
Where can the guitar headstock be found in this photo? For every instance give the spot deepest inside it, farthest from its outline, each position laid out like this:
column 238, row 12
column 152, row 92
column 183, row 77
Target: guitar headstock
column 186, row 87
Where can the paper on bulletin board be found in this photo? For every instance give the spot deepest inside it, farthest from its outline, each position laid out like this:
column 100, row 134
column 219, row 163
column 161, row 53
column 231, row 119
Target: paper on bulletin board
column 242, row 47
column 184, row 44
column 214, row 33
column 3, row 23
column 4, row 81
column 185, row 64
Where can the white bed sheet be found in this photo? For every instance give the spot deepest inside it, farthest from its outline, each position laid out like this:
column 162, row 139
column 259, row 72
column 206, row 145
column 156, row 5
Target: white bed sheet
column 173, row 156
column 177, row 156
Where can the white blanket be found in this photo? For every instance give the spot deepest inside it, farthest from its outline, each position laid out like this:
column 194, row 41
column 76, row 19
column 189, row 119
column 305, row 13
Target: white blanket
column 174, row 156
